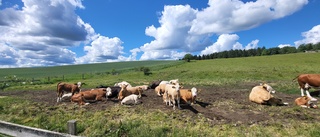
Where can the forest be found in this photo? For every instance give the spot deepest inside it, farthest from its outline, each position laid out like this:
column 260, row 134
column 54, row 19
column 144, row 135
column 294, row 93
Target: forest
column 255, row 52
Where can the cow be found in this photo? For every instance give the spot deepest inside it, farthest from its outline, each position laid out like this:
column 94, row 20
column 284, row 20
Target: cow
column 305, row 102
column 154, row 84
column 132, row 99
column 160, row 89
column 188, row 95
column 262, row 95
column 126, row 91
column 173, row 95
column 306, row 81
column 173, row 81
column 123, row 83
column 93, row 95
column 113, row 92
column 65, row 87
column 144, row 87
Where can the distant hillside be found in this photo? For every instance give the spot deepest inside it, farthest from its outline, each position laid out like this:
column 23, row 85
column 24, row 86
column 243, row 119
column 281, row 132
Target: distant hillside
column 37, row 72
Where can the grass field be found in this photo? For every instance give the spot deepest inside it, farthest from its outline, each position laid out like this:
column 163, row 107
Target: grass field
column 278, row 70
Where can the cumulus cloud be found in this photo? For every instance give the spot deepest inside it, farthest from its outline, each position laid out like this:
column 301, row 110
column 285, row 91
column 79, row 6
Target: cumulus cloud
column 284, row 45
column 225, row 16
column 102, row 49
column 41, row 32
column 311, row 36
column 184, row 29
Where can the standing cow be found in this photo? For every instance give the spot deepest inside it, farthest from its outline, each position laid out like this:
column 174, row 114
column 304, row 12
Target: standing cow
column 65, row 87
column 306, row 81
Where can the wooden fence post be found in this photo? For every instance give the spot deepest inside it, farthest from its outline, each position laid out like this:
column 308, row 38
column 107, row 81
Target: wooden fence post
column 72, row 127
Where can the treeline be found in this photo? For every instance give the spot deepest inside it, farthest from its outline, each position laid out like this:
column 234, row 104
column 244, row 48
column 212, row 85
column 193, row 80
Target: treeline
column 255, row 52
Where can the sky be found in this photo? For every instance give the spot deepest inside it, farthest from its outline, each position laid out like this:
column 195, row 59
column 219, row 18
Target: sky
column 39, row 33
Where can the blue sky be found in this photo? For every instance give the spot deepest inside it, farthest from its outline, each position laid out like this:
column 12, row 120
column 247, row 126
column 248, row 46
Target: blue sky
column 62, row 32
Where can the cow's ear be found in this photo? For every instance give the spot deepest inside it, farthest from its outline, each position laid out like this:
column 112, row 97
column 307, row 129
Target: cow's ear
column 173, row 87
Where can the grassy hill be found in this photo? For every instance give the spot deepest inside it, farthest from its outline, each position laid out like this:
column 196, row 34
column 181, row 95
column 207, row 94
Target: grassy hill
column 280, row 69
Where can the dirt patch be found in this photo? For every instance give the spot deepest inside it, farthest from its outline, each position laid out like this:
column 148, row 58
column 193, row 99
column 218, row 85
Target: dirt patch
column 220, row 105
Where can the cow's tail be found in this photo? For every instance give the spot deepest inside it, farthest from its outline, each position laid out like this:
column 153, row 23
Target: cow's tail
column 58, row 86
column 295, row 78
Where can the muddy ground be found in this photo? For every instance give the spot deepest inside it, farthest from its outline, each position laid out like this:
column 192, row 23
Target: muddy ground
column 220, row 105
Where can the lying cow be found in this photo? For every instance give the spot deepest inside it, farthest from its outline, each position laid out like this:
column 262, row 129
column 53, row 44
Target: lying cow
column 132, row 99
column 126, row 91
column 123, row 83
column 262, row 95
column 306, row 81
column 305, row 101
column 144, row 87
column 65, row 87
column 113, row 92
column 154, row 84
column 188, row 95
column 89, row 96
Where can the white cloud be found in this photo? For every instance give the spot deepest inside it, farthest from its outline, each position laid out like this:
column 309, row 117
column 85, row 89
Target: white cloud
column 227, row 42
column 284, row 45
column 42, row 31
column 225, row 16
column 252, row 45
column 224, row 42
column 184, row 29
column 311, row 36
column 102, row 49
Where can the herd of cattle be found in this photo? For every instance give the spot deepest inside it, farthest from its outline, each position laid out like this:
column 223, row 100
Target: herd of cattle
column 173, row 92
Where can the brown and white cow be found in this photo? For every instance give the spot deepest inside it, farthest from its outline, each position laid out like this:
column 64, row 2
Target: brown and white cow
column 65, row 87
column 89, row 96
column 306, row 81
column 305, row 102
column 126, row 91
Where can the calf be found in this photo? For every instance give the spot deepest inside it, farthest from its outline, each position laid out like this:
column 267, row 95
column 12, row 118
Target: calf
column 306, row 81
column 89, row 96
column 305, row 101
column 261, row 94
column 126, row 91
column 188, row 95
column 132, row 99
column 65, row 87
column 173, row 95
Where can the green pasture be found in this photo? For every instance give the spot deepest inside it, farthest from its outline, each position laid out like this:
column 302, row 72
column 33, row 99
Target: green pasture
column 278, row 70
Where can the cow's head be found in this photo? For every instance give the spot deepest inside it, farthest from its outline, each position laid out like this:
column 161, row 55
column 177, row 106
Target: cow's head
column 176, row 87
column 174, row 81
column 268, row 88
column 194, row 92
column 108, row 93
column 79, row 84
column 276, row 102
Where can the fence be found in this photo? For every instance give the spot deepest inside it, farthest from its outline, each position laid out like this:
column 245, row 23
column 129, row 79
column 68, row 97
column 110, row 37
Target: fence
column 16, row 130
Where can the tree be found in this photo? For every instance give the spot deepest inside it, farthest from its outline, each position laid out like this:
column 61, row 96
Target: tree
column 187, row 57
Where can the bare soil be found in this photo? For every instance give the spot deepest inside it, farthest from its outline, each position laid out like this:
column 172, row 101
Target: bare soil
column 219, row 105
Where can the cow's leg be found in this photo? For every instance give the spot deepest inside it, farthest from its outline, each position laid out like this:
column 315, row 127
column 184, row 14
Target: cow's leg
column 174, row 103
column 302, row 91
column 178, row 101
column 312, row 98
